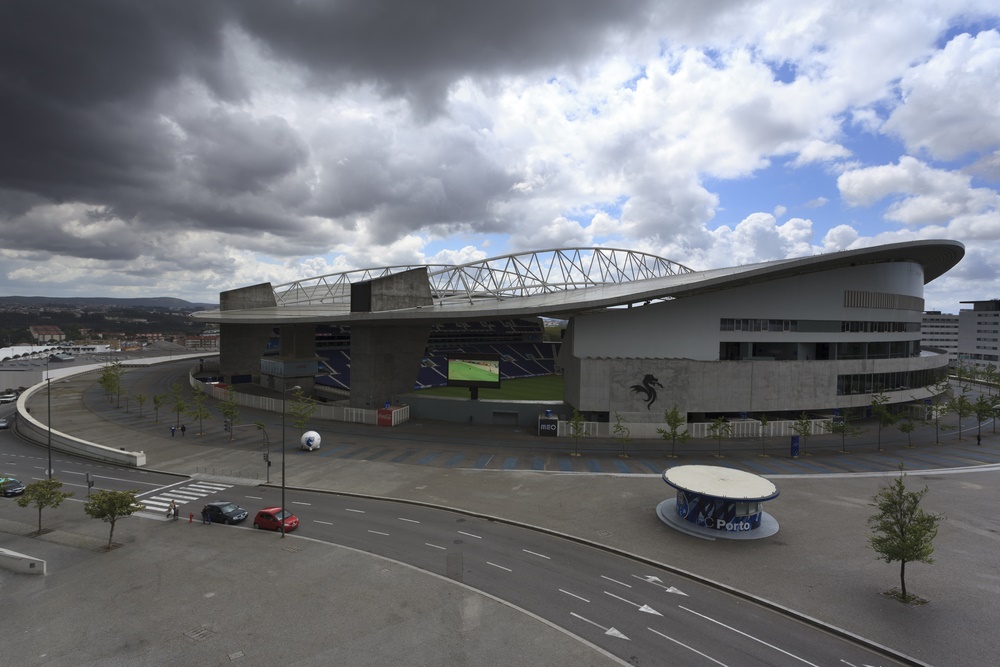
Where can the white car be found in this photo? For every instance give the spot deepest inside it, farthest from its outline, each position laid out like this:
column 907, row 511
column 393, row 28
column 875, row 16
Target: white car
column 8, row 398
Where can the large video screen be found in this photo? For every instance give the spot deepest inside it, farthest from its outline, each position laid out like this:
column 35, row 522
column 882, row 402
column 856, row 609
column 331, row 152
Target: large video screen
column 474, row 370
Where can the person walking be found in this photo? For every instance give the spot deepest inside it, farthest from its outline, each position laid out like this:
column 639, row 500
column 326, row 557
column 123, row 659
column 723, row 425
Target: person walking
column 172, row 510
column 183, row 429
column 979, row 440
column 205, row 516
column 173, row 429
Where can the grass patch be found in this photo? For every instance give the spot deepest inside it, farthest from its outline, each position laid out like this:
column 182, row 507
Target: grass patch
column 543, row 388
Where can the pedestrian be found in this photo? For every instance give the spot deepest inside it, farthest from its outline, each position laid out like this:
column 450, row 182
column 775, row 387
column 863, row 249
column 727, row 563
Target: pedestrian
column 979, row 440
column 205, row 518
column 208, row 516
column 172, row 430
column 183, row 429
column 172, row 510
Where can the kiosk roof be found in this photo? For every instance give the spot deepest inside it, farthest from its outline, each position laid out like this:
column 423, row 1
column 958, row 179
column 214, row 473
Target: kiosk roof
column 720, row 482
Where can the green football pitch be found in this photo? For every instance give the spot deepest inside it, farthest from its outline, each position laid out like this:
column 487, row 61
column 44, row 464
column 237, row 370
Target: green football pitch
column 543, row 388
column 472, row 372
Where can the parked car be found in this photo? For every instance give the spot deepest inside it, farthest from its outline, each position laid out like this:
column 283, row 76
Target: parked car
column 224, row 511
column 11, row 487
column 271, row 518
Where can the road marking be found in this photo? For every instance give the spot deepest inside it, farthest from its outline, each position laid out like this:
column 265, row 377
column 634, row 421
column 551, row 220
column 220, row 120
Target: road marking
column 378, row 533
column 325, row 523
column 536, row 554
column 642, row 607
column 740, row 632
column 607, row 631
column 358, row 511
column 707, row 657
column 295, row 502
column 656, row 582
column 499, row 566
column 478, row 537
column 574, row 595
column 407, row 520
column 162, row 488
column 435, row 546
column 621, row 583
column 254, row 497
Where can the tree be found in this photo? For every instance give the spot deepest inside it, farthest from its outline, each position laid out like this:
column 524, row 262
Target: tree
column 940, row 406
column 720, row 428
column 577, row 430
column 111, row 380
column 803, row 427
column 179, row 405
column 301, row 410
column 962, row 407
column 158, row 401
column 907, row 426
column 844, row 429
column 198, row 410
column 622, row 434
column 674, row 420
column 141, row 400
column 884, row 418
column 109, row 506
column 983, row 409
column 901, row 530
column 230, row 410
column 43, row 493
column 763, row 429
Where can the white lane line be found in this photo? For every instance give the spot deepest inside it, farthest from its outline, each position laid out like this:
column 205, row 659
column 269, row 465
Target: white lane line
column 533, row 553
column 325, row 523
column 184, row 494
column 616, row 581
column 71, row 472
column 707, row 657
column 378, row 532
column 254, row 497
column 740, row 632
column 478, row 537
column 574, row 595
column 435, row 546
column 499, row 566
column 407, row 520
column 295, row 502
column 159, row 490
column 131, row 481
column 358, row 511
column 213, row 487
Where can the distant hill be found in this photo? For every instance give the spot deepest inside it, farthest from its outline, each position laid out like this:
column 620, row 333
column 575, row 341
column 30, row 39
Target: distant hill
column 165, row 302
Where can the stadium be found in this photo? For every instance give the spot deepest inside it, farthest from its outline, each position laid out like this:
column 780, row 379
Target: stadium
column 642, row 334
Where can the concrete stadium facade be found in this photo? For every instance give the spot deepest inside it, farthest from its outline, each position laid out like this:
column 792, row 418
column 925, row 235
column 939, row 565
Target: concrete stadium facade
column 797, row 335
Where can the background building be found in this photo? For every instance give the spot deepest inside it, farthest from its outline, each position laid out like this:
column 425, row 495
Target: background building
column 979, row 333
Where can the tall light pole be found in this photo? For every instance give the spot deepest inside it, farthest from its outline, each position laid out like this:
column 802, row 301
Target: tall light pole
column 48, row 416
column 282, row 519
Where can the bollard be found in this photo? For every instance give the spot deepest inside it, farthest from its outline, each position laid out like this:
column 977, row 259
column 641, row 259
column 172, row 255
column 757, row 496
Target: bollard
column 191, row 517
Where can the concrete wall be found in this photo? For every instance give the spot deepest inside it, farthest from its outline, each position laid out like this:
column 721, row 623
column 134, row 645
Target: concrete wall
column 384, row 362
column 241, row 345
column 21, row 563
column 465, row 411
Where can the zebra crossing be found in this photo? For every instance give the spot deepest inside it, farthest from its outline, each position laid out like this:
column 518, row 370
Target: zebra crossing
column 191, row 492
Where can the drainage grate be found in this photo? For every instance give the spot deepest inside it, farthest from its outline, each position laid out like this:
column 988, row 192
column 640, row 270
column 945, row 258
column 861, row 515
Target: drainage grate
column 292, row 548
column 199, row 634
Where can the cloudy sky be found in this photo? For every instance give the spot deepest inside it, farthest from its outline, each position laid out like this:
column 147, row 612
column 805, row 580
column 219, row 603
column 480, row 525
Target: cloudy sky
column 184, row 148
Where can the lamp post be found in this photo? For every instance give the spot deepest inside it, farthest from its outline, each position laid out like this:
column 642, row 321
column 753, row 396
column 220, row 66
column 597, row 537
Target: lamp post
column 282, row 519
column 48, row 415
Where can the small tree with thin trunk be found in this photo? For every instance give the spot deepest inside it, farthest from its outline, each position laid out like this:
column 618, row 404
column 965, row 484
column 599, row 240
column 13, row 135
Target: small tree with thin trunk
column 763, row 433
column 230, row 410
column 198, row 410
column 301, row 410
column 963, row 408
column 983, row 409
column 901, row 530
column 907, row 426
column 577, row 430
column 675, row 420
column 884, row 418
column 720, row 428
column 622, row 434
column 43, row 493
column 141, row 400
column 803, row 428
column 844, row 429
column 109, row 506
column 158, row 401
column 179, row 404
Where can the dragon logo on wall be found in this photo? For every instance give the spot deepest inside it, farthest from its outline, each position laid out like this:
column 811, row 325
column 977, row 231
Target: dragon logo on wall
column 647, row 389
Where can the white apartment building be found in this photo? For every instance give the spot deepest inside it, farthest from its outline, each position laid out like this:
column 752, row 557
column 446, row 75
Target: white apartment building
column 940, row 330
column 979, row 333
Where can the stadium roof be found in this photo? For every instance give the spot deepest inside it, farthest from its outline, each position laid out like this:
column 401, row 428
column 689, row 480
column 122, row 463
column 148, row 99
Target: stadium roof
column 559, row 283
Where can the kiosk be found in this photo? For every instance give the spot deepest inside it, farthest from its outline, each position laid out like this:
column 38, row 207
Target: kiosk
column 714, row 502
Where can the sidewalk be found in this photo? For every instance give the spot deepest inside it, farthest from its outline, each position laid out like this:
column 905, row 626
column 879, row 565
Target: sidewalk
column 818, row 564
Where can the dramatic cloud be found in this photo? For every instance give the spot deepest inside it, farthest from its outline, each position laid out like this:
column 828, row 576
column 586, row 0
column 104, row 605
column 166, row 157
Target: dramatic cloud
column 187, row 148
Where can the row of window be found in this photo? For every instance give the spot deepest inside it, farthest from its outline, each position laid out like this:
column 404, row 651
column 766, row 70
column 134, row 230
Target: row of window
column 733, row 324
column 884, row 300
column 876, row 383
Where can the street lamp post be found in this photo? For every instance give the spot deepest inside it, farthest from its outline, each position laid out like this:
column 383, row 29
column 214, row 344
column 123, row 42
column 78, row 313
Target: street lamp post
column 282, row 519
column 48, row 382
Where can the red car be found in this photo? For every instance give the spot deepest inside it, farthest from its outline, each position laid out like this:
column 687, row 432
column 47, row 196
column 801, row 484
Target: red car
column 271, row 518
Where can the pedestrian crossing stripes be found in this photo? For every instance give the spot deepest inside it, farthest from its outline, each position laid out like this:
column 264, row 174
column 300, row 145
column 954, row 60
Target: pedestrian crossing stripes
column 192, row 492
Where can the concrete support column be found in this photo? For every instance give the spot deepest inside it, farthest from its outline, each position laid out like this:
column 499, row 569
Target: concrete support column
column 384, row 362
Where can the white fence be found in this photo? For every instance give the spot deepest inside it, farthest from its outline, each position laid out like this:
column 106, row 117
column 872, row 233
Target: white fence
column 740, row 428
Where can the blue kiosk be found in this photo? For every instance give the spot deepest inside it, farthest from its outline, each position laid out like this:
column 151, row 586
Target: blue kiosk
column 714, row 502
